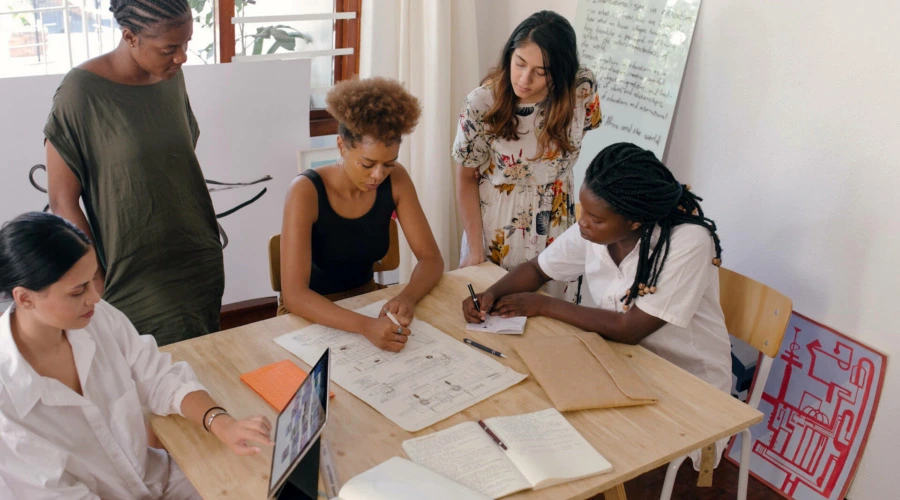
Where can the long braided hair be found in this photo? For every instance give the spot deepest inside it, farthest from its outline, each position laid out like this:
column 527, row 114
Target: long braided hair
column 138, row 15
column 640, row 188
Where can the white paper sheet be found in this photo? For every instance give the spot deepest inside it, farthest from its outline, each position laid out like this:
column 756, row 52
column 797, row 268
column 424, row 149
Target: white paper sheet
column 400, row 479
column 500, row 325
column 434, row 377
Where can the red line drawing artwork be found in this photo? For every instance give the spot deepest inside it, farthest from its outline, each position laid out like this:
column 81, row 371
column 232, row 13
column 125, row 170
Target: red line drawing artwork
column 819, row 404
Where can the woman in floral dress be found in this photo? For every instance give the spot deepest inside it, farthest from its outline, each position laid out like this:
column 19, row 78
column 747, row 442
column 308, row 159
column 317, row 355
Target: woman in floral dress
column 519, row 137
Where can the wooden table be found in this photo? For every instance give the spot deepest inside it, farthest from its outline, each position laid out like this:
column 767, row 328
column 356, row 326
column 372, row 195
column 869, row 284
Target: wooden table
column 690, row 413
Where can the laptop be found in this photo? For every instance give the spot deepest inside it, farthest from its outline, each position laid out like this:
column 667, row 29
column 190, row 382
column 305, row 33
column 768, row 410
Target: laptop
column 297, row 432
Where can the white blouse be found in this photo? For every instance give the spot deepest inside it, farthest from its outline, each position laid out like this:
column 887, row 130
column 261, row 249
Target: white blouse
column 58, row 444
column 687, row 296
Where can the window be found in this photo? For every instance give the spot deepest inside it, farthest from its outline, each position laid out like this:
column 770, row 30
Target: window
column 41, row 37
column 288, row 28
column 45, row 37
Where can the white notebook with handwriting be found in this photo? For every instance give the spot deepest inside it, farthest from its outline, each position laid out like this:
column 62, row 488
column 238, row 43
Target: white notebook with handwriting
column 499, row 324
column 543, row 449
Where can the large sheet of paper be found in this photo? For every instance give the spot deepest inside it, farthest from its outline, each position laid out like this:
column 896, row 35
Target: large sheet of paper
column 434, row 377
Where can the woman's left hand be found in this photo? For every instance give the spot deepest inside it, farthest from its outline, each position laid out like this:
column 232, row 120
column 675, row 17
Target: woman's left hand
column 520, row 304
column 402, row 309
column 240, row 435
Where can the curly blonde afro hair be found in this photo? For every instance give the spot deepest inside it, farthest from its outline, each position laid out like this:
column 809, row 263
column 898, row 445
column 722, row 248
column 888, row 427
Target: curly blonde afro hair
column 375, row 107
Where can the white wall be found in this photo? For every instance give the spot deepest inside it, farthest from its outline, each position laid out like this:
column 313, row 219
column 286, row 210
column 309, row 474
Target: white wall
column 498, row 18
column 788, row 126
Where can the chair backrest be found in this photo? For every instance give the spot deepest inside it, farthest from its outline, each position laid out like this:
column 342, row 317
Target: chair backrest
column 275, row 262
column 754, row 313
column 389, row 262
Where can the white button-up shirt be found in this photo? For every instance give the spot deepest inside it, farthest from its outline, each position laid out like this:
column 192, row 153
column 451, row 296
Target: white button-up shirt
column 687, row 295
column 58, row 444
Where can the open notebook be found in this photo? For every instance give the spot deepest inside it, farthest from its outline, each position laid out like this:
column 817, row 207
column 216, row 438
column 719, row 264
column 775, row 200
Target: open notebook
column 399, row 479
column 543, row 450
column 499, row 324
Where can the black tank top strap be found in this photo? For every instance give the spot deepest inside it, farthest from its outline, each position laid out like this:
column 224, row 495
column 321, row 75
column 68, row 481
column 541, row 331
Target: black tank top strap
column 384, row 197
column 317, row 181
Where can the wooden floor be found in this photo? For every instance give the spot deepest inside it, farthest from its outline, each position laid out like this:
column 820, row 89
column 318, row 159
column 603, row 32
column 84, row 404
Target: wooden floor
column 645, row 487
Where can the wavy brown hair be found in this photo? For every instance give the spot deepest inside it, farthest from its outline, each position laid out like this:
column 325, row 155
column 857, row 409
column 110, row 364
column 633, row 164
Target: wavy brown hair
column 556, row 38
column 375, row 107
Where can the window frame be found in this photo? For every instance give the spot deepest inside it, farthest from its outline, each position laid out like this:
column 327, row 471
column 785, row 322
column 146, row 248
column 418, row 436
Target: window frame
column 346, row 35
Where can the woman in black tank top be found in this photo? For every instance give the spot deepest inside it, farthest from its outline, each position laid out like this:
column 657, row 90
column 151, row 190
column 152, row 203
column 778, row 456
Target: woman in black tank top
column 337, row 218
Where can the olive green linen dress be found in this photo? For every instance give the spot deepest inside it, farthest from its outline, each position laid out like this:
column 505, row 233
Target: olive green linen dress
column 132, row 149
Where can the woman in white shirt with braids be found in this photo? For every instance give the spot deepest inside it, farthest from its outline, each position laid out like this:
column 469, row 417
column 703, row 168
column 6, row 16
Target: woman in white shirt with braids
column 75, row 379
column 649, row 256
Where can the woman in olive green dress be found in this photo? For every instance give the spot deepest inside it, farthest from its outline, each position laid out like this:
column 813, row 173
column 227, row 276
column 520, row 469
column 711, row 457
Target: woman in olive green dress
column 121, row 138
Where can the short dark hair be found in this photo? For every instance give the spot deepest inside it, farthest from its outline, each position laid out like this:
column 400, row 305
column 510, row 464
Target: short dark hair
column 37, row 249
column 642, row 189
column 138, row 15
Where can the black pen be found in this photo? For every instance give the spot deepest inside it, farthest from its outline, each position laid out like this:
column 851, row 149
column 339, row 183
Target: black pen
column 474, row 298
column 484, row 348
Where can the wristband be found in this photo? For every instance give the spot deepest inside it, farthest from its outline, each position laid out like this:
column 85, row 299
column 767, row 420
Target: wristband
column 213, row 417
column 203, row 420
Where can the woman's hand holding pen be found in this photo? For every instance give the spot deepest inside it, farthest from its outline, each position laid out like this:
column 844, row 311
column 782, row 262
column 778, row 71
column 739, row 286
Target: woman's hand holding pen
column 401, row 307
column 240, row 435
column 384, row 334
column 472, row 313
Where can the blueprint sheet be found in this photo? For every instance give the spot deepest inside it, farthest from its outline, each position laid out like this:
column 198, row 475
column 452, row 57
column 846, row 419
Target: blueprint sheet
column 434, row 377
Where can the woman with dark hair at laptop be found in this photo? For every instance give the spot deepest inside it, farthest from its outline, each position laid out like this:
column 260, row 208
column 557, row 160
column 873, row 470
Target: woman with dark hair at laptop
column 76, row 379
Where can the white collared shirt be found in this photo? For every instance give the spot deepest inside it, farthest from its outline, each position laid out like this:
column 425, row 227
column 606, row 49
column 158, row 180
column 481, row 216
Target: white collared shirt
column 687, row 295
column 58, row 444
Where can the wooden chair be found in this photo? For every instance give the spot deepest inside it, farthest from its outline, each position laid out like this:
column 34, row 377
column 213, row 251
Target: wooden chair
column 389, row 262
column 758, row 315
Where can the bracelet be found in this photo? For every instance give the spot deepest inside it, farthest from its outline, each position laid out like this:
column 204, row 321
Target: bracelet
column 203, row 420
column 213, row 417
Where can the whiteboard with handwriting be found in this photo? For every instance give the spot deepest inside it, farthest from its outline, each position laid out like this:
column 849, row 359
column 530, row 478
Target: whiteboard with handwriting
column 637, row 50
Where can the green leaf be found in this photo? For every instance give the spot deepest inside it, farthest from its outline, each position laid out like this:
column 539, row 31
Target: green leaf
column 274, row 47
column 209, row 19
column 281, row 35
column 258, row 45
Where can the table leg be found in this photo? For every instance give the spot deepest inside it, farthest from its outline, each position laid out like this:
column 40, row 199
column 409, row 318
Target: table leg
column 615, row 493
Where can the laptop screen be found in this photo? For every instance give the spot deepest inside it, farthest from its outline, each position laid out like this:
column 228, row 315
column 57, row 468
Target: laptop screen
column 300, row 423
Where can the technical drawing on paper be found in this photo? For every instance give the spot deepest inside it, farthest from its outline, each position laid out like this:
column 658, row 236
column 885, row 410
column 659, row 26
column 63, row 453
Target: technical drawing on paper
column 432, row 378
column 819, row 402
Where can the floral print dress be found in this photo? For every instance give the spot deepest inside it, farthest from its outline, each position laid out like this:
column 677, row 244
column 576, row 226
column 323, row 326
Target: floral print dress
column 525, row 203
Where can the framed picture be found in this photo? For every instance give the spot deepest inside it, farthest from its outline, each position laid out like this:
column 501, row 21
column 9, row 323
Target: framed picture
column 819, row 403
column 316, row 158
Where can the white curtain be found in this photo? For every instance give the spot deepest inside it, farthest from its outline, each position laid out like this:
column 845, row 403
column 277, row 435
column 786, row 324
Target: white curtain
column 430, row 46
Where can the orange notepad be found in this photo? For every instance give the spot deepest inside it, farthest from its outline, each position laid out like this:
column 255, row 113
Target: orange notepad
column 277, row 382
